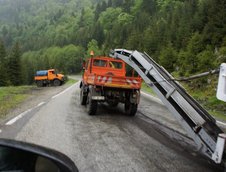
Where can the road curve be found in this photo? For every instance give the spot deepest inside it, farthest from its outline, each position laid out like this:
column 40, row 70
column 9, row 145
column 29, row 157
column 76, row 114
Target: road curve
column 109, row 141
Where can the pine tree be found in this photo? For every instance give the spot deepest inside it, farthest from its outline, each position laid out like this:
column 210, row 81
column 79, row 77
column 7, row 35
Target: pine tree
column 215, row 28
column 15, row 66
column 109, row 3
column 98, row 33
column 149, row 6
column 3, row 68
column 168, row 57
column 194, row 47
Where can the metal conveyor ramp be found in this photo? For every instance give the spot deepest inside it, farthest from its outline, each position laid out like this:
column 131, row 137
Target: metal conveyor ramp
column 198, row 123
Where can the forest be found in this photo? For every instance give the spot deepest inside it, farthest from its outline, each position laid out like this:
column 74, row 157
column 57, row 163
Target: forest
column 184, row 36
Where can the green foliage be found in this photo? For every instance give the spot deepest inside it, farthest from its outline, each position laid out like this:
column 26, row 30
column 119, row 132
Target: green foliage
column 109, row 17
column 194, row 47
column 168, row 58
column 14, row 63
column 222, row 55
column 66, row 59
column 98, row 33
column 215, row 28
column 93, row 46
column 3, row 65
column 186, row 36
column 136, row 7
column 124, row 18
column 10, row 97
column 148, row 89
column 205, row 60
column 206, row 94
column 71, row 81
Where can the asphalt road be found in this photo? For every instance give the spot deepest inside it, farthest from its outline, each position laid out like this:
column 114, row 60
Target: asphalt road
column 109, row 141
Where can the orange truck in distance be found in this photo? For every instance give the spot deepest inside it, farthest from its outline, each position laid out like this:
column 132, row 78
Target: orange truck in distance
column 105, row 80
column 46, row 77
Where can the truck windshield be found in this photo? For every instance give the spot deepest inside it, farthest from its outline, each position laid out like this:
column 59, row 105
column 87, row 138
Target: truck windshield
column 53, row 72
column 115, row 65
column 100, row 63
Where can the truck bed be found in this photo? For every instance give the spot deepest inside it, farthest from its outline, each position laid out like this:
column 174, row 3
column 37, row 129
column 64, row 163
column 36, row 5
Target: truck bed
column 114, row 81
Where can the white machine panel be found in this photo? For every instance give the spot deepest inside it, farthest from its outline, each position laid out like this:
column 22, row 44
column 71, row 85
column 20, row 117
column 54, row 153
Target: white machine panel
column 221, row 89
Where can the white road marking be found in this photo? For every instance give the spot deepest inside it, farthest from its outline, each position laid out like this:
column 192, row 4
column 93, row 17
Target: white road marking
column 12, row 121
column 22, row 114
column 18, row 117
column 0, row 131
column 40, row 104
column 64, row 91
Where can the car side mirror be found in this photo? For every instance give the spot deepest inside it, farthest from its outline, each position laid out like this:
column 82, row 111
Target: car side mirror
column 20, row 156
column 221, row 88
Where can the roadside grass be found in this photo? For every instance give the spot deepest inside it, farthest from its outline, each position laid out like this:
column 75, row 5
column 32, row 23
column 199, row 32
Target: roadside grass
column 218, row 115
column 206, row 97
column 147, row 89
column 10, row 97
column 71, row 81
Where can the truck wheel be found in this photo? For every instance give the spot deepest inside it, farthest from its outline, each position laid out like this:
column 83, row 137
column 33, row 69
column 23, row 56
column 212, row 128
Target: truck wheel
column 83, row 98
column 56, row 82
column 39, row 83
column 91, row 105
column 130, row 108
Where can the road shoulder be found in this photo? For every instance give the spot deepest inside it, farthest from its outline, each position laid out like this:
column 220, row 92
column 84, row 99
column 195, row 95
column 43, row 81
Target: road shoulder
column 36, row 96
column 168, row 119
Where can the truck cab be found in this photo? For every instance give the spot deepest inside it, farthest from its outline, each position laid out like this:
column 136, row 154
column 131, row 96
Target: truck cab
column 104, row 66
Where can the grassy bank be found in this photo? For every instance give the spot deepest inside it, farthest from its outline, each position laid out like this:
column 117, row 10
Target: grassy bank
column 147, row 89
column 10, row 97
column 206, row 96
column 71, row 81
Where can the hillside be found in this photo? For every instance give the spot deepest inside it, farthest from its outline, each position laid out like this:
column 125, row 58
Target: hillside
column 186, row 37
column 183, row 31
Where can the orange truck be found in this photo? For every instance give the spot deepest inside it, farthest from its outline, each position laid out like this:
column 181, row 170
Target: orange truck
column 104, row 80
column 46, row 77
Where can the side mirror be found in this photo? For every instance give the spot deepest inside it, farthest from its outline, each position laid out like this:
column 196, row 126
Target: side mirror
column 20, row 156
column 221, row 88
